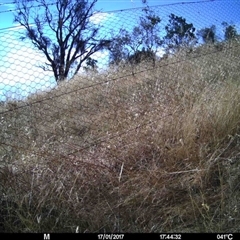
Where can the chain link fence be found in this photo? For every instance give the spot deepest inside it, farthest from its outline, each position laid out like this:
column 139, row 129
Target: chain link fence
column 118, row 120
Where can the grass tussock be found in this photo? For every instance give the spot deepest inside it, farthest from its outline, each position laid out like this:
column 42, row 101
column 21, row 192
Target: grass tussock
column 133, row 149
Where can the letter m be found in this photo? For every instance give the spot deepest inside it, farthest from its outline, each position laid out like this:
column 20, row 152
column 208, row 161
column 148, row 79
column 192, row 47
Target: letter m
column 46, row 236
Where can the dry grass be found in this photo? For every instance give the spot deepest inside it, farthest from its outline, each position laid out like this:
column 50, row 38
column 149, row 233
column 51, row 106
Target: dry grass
column 135, row 149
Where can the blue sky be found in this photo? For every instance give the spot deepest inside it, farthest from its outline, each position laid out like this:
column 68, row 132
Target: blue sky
column 7, row 8
column 19, row 62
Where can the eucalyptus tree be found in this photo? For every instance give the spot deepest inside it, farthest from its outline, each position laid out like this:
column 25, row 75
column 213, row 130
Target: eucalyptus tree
column 63, row 31
column 178, row 33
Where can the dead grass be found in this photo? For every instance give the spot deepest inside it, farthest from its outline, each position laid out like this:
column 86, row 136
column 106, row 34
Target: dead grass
column 134, row 149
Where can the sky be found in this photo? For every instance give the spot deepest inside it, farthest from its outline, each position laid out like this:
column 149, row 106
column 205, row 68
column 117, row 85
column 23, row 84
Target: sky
column 19, row 61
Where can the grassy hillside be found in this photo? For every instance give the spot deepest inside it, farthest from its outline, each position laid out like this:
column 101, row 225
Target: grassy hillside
column 134, row 149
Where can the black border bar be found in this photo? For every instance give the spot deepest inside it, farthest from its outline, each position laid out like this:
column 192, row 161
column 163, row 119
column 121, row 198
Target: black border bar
column 121, row 236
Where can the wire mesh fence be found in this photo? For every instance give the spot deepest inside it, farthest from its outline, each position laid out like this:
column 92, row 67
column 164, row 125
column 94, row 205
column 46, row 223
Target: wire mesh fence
column 22, row 75
column 120, row 116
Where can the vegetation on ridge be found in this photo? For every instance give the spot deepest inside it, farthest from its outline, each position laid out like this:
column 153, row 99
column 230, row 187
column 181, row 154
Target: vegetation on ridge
column 153, row 151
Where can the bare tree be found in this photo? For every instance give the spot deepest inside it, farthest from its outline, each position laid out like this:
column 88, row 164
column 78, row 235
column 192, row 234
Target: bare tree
column 62, row 31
